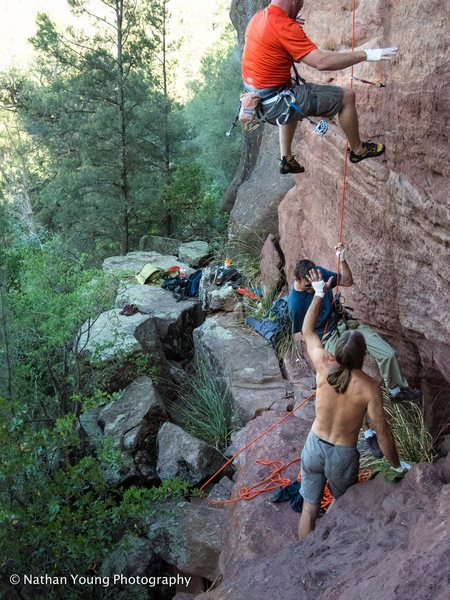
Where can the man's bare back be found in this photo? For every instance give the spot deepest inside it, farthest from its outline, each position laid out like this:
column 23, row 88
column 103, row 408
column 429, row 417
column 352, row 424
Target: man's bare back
column 339, row 416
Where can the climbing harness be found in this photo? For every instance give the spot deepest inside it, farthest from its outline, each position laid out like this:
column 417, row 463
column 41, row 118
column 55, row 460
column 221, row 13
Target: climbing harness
column 287, row 96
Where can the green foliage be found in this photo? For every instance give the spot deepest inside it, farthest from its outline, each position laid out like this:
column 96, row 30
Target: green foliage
column 50, row 294
column 212, row 110
column 414, row 441
column 205, row 410
column 100, row 113
column 62, row 513
column 192, row 205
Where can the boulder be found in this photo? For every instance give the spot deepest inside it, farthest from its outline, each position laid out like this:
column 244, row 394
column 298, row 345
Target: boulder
column 213, row 297
column 130, row 427
column 189, row 536
column 245, row 362
column 133, row 557
column 272, row 263
column 112, row 336
column 116, row 349
column 156, row 243
column 221, row 491
column 174, row 321
column 184, row 456
column 195, row 254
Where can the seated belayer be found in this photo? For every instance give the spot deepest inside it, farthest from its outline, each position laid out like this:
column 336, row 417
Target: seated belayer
column 331, row 324
column 344, row 394
column 274, row 41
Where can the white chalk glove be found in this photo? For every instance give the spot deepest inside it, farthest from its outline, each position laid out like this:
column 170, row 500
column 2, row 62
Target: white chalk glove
column 340, row 252
column 376, row 54
column 404, row 466
column 318, row 287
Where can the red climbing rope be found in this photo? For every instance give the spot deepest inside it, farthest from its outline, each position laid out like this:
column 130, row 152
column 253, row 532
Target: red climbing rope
column 275, row 480
column 346, row 149
column 230, row 460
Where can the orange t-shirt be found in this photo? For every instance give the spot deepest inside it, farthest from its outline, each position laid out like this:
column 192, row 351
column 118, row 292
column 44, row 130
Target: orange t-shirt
column 273, row 41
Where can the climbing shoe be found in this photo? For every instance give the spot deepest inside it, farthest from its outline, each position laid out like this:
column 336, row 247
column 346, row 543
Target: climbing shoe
column 371, row 149
column 290, row 166
column 373, row 446
column 407, row 394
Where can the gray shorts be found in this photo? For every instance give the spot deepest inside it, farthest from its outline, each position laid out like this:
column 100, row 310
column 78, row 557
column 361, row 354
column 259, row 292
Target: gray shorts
column 314, row 100
column 322, row 461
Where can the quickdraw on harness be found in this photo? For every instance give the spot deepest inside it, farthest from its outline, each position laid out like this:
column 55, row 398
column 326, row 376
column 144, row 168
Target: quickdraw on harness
column 251, row 115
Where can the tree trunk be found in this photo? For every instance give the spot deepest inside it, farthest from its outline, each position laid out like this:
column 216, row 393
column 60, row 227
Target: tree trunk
column 125, row 192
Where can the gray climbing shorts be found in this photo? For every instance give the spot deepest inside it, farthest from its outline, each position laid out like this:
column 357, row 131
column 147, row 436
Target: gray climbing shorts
column 321, row 462
column 314, row 100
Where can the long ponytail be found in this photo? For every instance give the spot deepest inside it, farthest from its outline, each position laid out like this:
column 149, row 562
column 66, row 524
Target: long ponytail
column 350, row 351
column 339, row 378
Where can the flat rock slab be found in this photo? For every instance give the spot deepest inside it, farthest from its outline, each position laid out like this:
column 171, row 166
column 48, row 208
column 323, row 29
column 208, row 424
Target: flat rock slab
column 132, row 263
column 245, row 361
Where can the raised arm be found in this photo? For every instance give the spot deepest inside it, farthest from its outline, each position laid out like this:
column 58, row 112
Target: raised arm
column 313, row 343
column 346, row 278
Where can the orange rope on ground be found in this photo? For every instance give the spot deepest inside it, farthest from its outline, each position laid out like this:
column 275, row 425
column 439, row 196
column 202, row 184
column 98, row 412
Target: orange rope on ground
column 229, row 461
column 270, row 483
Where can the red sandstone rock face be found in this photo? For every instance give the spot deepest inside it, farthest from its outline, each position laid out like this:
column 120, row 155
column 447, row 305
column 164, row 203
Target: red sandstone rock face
column 397, row 208
column 379, row 541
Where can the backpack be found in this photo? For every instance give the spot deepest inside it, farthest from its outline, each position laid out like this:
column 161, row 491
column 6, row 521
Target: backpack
column 274, row 323
column 183, row 287
column 227, row 275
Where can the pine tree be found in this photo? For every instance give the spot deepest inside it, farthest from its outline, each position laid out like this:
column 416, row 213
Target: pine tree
column 101, row 110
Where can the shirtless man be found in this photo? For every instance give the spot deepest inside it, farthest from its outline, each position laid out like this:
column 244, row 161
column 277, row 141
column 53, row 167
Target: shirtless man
column 344, row 394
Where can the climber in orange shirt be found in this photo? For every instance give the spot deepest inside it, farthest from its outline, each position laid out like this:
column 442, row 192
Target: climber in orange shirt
column 274, row 41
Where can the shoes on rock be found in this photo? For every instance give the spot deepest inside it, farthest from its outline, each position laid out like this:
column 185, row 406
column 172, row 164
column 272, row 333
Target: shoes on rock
column 290, row 166
column 407, row 394
column 371, row 150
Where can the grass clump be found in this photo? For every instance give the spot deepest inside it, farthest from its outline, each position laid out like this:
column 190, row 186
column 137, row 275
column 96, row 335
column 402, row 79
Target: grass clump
column 206, row 409
column 413, row 440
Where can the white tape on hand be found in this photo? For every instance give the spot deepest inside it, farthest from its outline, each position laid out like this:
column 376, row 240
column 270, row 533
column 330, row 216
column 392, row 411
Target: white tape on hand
column 340, row 252
column 318, row 288
column 376, row 54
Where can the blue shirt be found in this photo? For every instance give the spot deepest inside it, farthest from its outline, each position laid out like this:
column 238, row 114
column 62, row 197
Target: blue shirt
column 299, row 302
